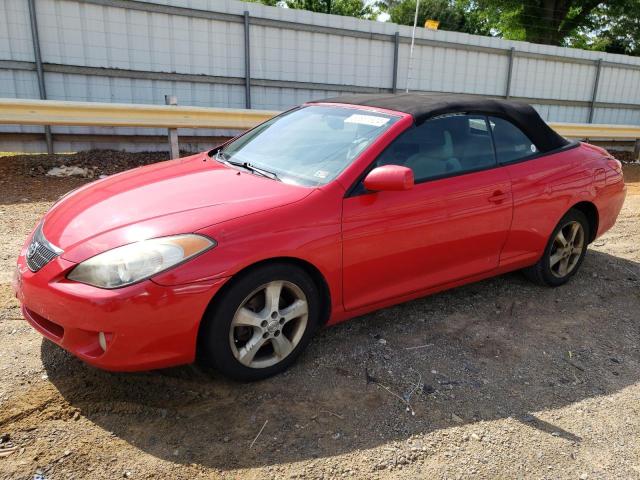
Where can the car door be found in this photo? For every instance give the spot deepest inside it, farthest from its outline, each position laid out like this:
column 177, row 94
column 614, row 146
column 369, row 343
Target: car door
column 452, row 224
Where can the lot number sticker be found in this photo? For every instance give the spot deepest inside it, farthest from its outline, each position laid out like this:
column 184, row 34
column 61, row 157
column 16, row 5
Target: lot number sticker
column 370, row 120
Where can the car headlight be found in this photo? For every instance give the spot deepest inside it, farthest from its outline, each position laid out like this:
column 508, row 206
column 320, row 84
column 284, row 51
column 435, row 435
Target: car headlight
column 140, row 260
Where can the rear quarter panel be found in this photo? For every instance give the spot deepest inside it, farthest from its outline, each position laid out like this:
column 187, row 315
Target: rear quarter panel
column 544, row 189
column 609, row 188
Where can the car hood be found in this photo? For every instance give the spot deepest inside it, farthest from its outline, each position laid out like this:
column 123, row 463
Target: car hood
column 177, row 196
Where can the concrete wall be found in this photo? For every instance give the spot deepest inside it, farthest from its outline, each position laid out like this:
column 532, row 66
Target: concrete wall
column 137, row 51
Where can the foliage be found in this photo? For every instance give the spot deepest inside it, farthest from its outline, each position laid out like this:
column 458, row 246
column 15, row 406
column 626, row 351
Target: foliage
column 613, row 28
column 581, row 23
column 350, row 8
column 610, row 26
column 456, row 16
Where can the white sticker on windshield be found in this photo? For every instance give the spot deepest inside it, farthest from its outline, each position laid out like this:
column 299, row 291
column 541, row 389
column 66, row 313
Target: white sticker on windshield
column 321, row 174
column 371, row 120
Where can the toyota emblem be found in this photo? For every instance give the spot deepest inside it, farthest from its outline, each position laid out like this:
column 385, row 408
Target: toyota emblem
column 32, row 249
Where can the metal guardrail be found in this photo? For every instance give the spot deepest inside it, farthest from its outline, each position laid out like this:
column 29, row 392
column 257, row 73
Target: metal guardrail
column 52, row 112
column 93, row 114
column 595, row 130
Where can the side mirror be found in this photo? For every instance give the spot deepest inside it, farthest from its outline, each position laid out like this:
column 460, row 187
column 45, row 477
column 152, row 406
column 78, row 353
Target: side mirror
column 389, row 178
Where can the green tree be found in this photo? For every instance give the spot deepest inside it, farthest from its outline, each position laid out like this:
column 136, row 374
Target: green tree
column 613, row 28
column 610, row 26
column 349, row 8
column 459, row 16
column 553, row 22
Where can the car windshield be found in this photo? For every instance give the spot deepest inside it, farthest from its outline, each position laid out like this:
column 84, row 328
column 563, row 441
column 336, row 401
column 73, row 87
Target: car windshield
column 307, row 146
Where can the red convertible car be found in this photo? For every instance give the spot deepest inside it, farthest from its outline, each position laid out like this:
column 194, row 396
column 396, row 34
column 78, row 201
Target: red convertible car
column 328, row 211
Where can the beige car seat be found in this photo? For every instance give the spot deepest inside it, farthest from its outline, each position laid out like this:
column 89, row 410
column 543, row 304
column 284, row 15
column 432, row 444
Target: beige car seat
column 434, row 160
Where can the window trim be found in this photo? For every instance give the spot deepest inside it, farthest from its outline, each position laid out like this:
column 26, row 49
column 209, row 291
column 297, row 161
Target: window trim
column 572, row 144
column 352, row 190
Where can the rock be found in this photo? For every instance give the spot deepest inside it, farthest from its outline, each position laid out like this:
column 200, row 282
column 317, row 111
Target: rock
column 382, row 341
column 457, row 418
column 428, row 389
column 475, row 436
column 5, row 437
column 584, row 476
column 68, row 171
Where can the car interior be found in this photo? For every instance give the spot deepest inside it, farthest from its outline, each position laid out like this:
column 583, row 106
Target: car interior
column 442, row 146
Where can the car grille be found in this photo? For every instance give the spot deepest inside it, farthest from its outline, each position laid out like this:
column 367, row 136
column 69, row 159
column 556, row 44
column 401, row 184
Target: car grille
column 40, row 251
column 39, row 256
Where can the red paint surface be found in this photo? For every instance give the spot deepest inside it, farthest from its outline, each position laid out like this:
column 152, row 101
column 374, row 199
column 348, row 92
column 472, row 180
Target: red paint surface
column 373, row 250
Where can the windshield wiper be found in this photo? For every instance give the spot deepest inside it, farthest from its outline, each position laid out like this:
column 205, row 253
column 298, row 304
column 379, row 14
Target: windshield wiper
column 254, row 169
column 261, row 171
column 223, row 157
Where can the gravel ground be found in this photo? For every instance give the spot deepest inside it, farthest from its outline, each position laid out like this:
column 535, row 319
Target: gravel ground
column 93, row 162
column 498, row 379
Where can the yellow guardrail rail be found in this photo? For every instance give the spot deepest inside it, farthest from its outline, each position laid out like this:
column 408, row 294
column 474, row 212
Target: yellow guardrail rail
column 91, row 114
column 596, row 130
column 52, row 112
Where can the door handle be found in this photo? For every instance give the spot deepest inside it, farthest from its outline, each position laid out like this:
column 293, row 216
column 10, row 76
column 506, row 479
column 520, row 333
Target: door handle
column 498, row 197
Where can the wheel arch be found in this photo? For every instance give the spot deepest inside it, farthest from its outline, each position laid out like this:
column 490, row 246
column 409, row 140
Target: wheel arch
column 591, row 212
column 315, row 274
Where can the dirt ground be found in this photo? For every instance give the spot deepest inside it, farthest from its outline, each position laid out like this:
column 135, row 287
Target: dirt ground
column 498, row 379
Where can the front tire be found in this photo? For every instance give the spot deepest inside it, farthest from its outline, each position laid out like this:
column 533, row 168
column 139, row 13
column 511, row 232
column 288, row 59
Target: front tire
column 564, row 252
column 261, row 323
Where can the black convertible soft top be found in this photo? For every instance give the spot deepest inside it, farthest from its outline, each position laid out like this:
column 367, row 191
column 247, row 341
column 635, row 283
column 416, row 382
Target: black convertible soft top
column 424, row 106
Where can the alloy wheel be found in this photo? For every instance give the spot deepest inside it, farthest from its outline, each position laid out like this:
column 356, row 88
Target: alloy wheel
column 566, row 249
column 269, row 324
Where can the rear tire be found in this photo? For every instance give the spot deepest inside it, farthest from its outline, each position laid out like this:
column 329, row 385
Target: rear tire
column 261, row 324
column 564, row 252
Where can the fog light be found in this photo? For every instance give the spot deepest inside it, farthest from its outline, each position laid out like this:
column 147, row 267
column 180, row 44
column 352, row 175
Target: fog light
column 102, row 340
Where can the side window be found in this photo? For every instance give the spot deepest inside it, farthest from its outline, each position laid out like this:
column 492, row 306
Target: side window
column 511, row 143
column 443, row 146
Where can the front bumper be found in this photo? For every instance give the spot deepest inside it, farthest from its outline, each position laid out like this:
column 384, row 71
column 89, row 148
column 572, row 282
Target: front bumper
column 145, row 325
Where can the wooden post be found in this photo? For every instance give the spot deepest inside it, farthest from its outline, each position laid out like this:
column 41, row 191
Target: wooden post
column 174, row 149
